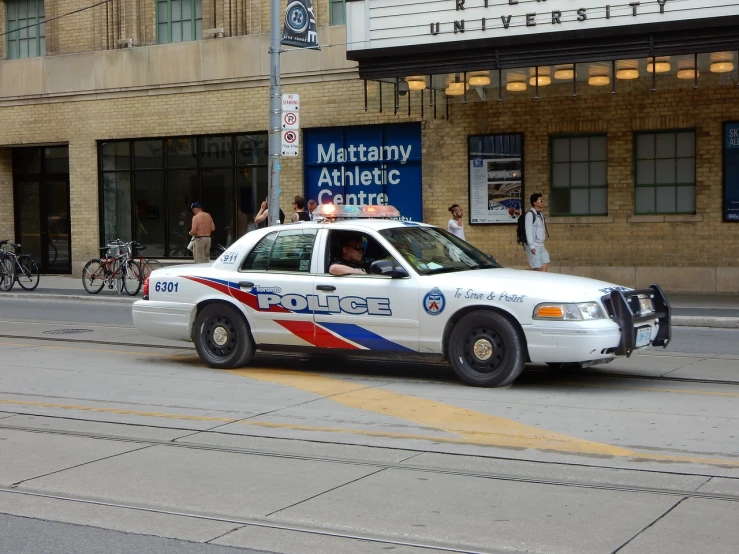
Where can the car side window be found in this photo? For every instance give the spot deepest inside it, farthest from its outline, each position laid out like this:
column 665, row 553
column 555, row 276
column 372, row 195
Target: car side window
column 258, row 258
column 373, row 250
column 284, row 251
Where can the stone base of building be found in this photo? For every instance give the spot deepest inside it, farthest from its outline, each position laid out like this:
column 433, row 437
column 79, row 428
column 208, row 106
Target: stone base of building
column 699, row 280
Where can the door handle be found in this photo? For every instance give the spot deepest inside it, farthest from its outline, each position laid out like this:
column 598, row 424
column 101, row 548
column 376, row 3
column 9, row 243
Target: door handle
column 246, row 285
column 325, row 287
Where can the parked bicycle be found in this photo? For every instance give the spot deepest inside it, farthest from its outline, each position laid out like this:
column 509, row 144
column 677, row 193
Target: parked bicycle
column 117, row 266
column 147, row 265
column 17, row 267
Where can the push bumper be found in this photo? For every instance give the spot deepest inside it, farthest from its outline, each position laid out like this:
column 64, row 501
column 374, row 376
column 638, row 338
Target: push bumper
column 623, row 307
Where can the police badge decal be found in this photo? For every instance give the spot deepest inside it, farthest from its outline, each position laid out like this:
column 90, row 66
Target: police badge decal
column 434, row 302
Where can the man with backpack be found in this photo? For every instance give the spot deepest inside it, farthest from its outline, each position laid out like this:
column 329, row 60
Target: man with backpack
column 532, row 232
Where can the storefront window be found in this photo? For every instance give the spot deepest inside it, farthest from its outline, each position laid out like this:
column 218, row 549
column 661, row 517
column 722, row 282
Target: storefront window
column 579, row 177
column 149, row 212
column 116, row 206
column 337, row 12
column 147, row 187
column 665, row 172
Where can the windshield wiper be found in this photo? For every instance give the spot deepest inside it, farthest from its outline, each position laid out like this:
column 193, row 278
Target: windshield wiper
column 444, row 270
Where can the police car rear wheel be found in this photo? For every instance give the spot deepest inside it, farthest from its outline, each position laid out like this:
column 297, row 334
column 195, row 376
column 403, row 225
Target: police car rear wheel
column 486, row 350
column 222, row 337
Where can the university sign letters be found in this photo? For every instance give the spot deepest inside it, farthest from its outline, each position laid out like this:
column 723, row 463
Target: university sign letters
column 397, row 24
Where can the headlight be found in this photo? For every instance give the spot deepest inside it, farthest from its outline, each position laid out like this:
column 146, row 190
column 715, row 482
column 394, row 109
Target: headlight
column 569, row 312
column 645, row 305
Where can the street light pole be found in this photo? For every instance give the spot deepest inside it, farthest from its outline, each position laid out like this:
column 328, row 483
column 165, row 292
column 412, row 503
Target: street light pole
column 275, row 134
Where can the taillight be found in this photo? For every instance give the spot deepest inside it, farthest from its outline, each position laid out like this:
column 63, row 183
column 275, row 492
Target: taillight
column 146, row 288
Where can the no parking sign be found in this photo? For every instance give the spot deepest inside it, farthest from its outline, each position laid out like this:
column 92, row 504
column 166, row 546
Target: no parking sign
column 290, row 143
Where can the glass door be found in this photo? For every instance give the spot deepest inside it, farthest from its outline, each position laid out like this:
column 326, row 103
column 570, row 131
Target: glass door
column 41, row 197
column 55, row 227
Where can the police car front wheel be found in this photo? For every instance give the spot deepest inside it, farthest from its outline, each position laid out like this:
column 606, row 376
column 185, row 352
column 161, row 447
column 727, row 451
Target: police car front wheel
column 222, row 337
column 486, row 350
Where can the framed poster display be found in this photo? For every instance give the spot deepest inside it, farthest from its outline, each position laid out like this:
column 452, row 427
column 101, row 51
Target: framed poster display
column 731, row 171
column 495, row 178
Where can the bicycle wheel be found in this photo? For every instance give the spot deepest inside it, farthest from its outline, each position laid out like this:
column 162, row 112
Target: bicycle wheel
column 148, row 266
column 52, row 253
column 7, row 273
column 132, row 278
column 93, row 276
column 27, row 273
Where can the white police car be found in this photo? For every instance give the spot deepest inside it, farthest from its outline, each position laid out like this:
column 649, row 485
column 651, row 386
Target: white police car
column 425, row 292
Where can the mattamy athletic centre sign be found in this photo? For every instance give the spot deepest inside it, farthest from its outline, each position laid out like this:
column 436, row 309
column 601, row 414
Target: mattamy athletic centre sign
column 377, row 24
column 366, row 165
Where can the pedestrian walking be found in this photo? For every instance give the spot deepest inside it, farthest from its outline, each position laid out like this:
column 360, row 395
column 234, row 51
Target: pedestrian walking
column 202, row 229
column 456, row 225
column 536, row 234
column 299, row 207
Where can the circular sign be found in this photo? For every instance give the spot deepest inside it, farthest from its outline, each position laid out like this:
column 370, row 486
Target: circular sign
column 290, row 119
column 290, row 137
column 297, row 17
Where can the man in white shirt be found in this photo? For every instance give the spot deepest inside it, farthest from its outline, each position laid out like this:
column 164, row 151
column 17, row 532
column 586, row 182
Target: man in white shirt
column 536, row 234
column 455, row 225
column 311, row 206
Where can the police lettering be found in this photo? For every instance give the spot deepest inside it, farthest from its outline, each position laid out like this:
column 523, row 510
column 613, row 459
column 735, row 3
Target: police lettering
column 354, row 305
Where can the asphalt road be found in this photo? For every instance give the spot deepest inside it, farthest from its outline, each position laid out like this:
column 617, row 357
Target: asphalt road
column 685, row 339
column 133, row 447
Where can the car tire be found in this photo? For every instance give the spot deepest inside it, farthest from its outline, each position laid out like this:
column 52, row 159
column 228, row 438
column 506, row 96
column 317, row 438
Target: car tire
column 486, row 349
column 222, row 338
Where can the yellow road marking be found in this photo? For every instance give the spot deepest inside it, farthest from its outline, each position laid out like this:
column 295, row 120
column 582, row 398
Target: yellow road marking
column 462, row 440
column 115, row 411
column 472, row 427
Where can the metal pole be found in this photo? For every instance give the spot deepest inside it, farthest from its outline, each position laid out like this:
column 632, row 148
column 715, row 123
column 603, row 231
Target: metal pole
column 275, row 135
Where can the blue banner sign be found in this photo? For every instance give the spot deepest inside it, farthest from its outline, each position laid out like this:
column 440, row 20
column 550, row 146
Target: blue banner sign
column 731, row 171
column 366, row 165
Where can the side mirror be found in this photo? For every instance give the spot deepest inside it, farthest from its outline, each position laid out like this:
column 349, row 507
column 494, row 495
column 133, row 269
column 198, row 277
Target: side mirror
column 387, row 268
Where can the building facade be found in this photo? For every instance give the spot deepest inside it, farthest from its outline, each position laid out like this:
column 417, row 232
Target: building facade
column 114, row 118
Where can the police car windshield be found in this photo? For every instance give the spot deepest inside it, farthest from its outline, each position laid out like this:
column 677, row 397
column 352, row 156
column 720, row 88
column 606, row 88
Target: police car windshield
column 431, row 250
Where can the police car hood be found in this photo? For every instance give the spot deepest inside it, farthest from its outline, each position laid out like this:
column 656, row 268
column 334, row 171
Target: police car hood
column 553, row 287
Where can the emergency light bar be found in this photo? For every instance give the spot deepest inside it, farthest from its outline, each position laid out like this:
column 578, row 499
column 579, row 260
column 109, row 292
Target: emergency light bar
column 333, row 211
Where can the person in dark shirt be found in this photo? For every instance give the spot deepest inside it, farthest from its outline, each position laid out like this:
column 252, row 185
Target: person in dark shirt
column 350, row 261
column 300, row 213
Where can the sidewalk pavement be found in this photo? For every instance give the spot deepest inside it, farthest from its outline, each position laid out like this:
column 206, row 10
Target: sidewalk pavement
column 689, row 310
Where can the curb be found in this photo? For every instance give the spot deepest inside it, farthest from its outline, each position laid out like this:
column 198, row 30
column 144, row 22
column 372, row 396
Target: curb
column 87, row 298
column 705, row 321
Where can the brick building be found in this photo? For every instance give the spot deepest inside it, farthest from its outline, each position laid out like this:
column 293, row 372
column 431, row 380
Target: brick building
column 114, row 118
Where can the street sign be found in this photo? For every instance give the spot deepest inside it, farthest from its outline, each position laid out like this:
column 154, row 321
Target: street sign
column 290, row 143
column 290, row 120
column 290, row 102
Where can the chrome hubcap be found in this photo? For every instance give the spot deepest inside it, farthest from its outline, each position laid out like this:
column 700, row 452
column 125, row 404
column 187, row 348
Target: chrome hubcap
column 220, row 336
column 483, row 349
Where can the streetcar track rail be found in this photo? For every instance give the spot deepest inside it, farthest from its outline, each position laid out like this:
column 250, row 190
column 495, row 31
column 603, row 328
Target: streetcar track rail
column 176, row 443
column 252, row 522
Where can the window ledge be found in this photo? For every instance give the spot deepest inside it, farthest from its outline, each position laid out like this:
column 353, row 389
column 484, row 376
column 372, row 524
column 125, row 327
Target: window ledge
column 676, row 218
column 580, row 219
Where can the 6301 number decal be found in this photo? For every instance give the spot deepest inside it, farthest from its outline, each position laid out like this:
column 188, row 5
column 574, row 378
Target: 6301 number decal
column 165, row 286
